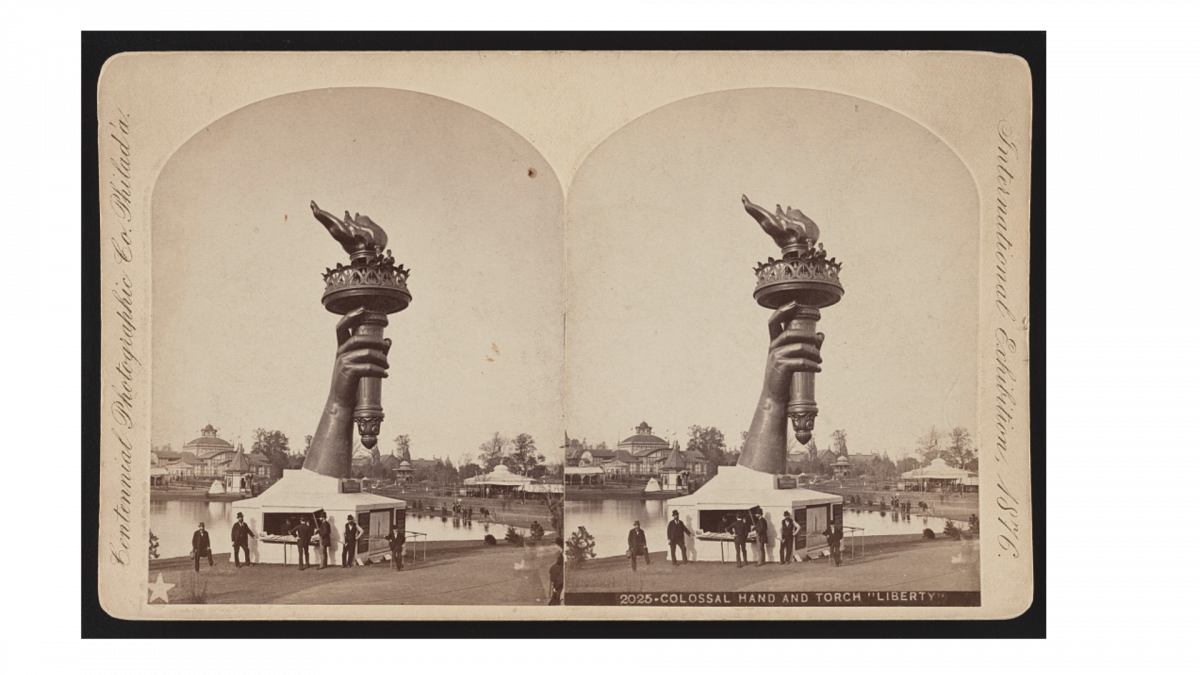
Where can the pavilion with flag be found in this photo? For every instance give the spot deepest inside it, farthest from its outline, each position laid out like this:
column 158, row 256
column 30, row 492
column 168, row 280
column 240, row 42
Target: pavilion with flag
column 500, row 481
column 940, row 476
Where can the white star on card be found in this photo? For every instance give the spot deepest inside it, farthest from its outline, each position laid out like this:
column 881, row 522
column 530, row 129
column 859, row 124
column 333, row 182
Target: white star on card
column 159, row 589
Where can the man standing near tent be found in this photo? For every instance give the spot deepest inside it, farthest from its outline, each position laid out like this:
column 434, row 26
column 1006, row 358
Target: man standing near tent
column 675, row 537
column 303, row 534
column 787, row 535
column 241, row 535
column 324, row 539
column 396, row 544
column 350, row 541
column 637, row 544
column 760, row 539
column 833, row 536
column 741, row 531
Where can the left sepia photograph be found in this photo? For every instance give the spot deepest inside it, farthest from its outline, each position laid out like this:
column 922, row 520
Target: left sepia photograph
column 357, row 347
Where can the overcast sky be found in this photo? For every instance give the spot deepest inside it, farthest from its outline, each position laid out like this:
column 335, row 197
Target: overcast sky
column 660, row 322
column 241, row 339
column 662, row 325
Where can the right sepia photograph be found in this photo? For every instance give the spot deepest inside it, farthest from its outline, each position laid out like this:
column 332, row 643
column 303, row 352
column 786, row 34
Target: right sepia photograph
column 772, row 393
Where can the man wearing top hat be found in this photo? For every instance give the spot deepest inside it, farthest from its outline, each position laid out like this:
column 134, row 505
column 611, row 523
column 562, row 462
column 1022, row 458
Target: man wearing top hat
column 741, row 532
column 675, row 537
column 324, row 539
column 396, row 544
column 787, row 536
column 201, row 547
column 303, row 533
column 760, row 538
column 637, row 544
column 241, row 536
column 350, row 541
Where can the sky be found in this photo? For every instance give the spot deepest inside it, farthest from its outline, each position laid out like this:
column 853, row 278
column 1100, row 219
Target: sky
column 651, row 260
column 241, row 339
column 661, row 323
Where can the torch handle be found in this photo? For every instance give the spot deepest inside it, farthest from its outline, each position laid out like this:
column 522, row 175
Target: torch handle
column 802, row 404
column 368, row 408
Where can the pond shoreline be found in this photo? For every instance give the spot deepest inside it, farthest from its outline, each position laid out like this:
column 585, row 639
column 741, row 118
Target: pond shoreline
column 622, row 494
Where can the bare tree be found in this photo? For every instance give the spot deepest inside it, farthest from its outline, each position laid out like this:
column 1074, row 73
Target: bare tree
column 491, row 451
column 839, row 442
column 929, row 445
column 402, row 447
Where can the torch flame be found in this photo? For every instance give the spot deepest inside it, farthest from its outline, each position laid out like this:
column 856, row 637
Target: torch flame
column 356, row 235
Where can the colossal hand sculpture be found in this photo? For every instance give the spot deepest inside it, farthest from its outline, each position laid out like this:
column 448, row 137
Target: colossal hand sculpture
column 364, row 293
column 796, row 287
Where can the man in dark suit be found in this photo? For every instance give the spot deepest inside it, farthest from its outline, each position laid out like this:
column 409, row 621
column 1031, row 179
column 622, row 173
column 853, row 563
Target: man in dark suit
column 350, row 542
column 324, row 539
column 741, row 532
column 675, row 537
column 787, row 535
column 833, row 537
column 303, row 533
column 760, row 539
column 241, row 536
column 201, row 547
column 556, row 581
column 637, row 544
column 396, row 545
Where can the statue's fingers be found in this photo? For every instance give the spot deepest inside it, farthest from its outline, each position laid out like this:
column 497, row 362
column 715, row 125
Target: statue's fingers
column 800, row 350
column 363, row 342
column 367, row 370
column 799, row 365
column 788, row 337
column 348, row 323
column 780, row 317
column 360, row 356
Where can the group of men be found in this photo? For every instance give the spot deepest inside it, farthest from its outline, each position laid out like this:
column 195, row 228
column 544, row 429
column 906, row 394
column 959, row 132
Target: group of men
column 241, row 535
column 305, row 533
column 740, row 528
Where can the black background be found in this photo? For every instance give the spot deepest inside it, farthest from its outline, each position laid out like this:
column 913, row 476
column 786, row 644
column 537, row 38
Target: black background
column 97, row 47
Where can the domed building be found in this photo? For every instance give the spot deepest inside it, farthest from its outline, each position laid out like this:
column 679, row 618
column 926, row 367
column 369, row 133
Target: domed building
column 211, row 451
column 646, row 449
column 841, row 468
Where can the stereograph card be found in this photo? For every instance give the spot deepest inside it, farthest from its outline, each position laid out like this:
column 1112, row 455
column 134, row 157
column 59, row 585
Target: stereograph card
column 420, row 336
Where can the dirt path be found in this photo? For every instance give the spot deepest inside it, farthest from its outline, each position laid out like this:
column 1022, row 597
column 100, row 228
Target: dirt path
column 900, row 562
column 456, row 573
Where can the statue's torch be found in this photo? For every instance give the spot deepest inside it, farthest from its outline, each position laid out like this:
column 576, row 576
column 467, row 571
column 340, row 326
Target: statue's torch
column 372, row 282
column 805, row 277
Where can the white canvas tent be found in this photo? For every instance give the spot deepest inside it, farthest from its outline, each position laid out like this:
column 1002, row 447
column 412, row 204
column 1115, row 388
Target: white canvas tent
column 737, row 489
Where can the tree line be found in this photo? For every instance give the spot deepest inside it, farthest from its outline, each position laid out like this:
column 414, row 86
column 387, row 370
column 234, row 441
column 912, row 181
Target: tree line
column 954, row 446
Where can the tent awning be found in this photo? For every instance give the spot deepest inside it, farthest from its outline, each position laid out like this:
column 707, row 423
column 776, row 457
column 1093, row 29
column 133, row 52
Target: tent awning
column 542, row 488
